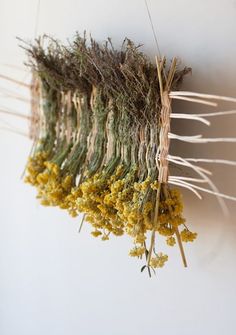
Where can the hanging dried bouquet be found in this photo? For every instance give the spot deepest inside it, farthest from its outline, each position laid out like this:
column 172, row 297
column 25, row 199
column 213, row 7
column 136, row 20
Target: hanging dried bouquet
column 101, row 129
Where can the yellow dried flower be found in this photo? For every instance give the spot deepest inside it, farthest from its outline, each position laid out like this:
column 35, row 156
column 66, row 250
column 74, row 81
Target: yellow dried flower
column 42, row 178
column 96, row 233
column 137, row 251
column 165, row 231
column 187, row 235
column 170, row 241
column 140, row 238
column 148, row 207
column 67, row 182
column 105, row 237
column 155, row 185
column 158, row 261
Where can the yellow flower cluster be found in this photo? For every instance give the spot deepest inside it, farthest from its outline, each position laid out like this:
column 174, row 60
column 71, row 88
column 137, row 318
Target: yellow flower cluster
column 52, row 187
column 137, row 252
column 97, row 202
column 170, row 241
column 158, row 261
column 115, row 205
column 187, row 236
column 35, row 166
column 121, row 205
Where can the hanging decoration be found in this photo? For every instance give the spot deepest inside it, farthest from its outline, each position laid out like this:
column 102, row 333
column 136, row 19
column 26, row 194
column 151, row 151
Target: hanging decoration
column 101, row 129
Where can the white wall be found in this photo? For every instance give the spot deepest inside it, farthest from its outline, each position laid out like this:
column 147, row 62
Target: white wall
column 54, row 281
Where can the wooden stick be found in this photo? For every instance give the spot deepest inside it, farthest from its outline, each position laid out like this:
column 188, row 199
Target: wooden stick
column 202, row 95
column 181, row 247
column 155, row 226
column 199, row 101
column 159, row 76
column 171, row 74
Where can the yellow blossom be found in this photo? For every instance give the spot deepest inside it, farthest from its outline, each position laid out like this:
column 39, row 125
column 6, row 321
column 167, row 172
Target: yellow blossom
column 96, row 233
column 158, row 261
column 187, row 235
column 137, row 251
column 170, row 241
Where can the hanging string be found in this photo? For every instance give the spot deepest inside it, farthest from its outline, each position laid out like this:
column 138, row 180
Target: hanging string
column 153, row 29
column 37, row 18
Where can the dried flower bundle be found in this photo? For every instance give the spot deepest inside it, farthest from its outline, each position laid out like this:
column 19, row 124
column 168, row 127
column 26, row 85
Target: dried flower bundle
column 101, row 129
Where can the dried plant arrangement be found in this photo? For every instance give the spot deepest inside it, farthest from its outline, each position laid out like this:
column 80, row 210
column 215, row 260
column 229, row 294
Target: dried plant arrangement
column 101, row 130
